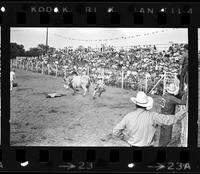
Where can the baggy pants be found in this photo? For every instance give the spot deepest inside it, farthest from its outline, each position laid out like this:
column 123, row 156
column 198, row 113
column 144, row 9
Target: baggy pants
column 165, row 135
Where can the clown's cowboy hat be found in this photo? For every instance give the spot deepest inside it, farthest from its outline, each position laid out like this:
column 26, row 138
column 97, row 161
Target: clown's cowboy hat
column 143, row 100
column 172, row 89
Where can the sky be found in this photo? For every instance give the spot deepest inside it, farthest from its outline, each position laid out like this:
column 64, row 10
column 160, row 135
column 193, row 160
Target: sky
column 58, row 37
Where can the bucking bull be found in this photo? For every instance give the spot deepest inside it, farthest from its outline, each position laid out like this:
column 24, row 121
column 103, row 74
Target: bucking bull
column 76, row 82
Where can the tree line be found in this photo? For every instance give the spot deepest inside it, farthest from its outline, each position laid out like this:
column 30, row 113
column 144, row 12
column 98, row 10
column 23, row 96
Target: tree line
column 41, row 49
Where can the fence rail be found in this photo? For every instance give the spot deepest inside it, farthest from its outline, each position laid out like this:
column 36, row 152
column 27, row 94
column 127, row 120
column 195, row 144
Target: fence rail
column 141, row 83
column 40, row 67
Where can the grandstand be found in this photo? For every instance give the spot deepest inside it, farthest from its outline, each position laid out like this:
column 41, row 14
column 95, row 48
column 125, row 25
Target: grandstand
column 135, row 62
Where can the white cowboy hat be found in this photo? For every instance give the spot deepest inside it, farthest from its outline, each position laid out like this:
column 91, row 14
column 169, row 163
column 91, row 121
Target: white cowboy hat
column 172, row 89
column 143, row 100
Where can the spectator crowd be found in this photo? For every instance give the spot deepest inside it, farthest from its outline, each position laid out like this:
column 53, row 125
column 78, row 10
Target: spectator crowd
column 136, row 62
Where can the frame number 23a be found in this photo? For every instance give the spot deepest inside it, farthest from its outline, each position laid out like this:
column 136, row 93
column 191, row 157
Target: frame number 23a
column 178, row 166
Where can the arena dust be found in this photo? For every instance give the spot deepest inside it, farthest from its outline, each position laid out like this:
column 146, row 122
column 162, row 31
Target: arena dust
column 70, row 120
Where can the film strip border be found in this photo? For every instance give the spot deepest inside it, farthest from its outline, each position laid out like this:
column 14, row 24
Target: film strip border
column 99, row 15
column 99, row 159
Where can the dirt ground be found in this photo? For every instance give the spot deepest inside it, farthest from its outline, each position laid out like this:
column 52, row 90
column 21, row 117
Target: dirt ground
column 68, row 120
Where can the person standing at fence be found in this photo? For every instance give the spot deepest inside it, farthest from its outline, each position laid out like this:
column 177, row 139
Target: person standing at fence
column 138, row 128
column 183, row 72
column 168, row 106
column 12, row 78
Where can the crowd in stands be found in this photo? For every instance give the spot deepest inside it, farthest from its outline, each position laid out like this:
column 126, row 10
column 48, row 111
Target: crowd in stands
column 136, row 62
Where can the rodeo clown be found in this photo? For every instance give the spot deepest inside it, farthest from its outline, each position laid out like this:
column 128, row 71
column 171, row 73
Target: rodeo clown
column 100, row 86
column 168, row 107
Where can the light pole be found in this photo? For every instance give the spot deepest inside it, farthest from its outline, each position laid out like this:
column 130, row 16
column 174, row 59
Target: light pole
column 47, row 35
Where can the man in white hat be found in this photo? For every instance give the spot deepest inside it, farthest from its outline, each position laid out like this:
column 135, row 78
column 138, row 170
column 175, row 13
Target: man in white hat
column 168, row 106
column 138, row 127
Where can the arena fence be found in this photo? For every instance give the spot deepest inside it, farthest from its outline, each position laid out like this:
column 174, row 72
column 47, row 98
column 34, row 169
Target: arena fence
column 120, row 80
column 40, row 67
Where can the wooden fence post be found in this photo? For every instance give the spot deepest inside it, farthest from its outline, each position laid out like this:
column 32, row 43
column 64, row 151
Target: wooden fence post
column 27, row 65
column 56, row 70
column 36, row 67
column 146, row 83
column 15, row 63
column 48, row 69
column 42, row 68
column 32, row 66
column 122, row 78
column 164, row 83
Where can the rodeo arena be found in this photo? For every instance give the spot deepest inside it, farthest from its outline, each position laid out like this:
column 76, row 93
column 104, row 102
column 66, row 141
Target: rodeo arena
column 79, row 96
